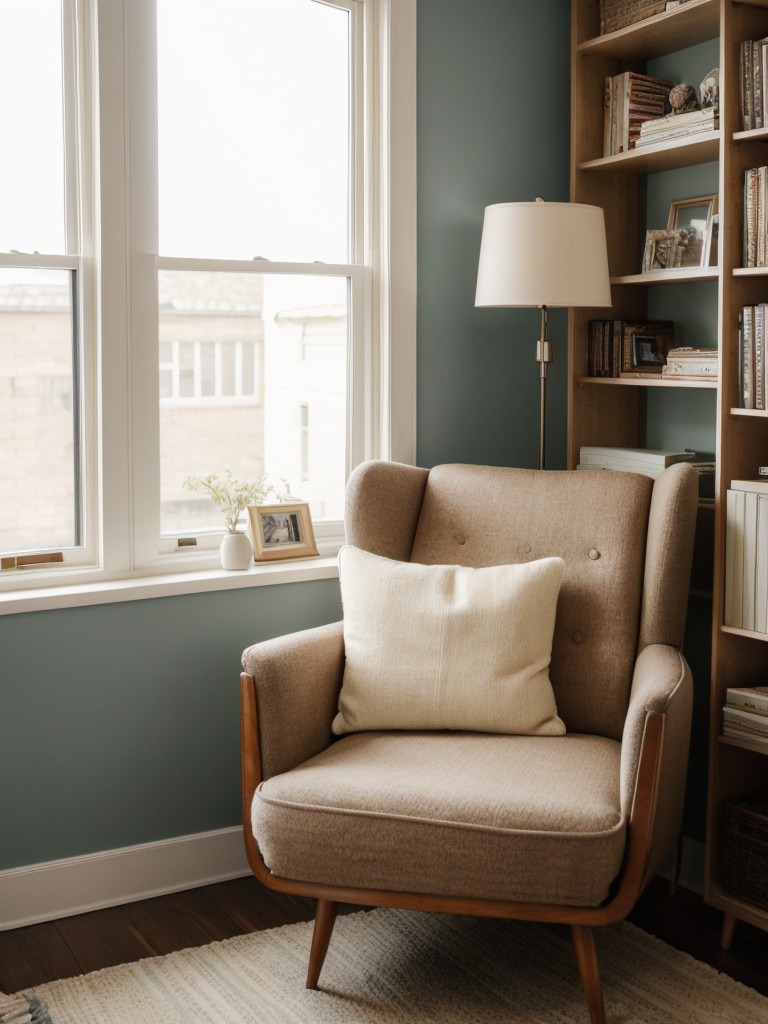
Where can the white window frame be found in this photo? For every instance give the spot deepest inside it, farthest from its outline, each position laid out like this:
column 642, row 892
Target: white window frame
column 382, row 373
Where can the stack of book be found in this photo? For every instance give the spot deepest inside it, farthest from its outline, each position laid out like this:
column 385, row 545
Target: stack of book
column 612, row 346
column 631, row 99
column 678, row 126
column 745, row 714
column 746, row 555
column 754, row 68
column 753, row 360
column 755, row 252
column 691, row 364
column 648, row 461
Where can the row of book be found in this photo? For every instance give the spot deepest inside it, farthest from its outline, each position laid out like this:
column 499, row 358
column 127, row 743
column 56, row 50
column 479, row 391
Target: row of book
column 631, row 347
column 746, row 555
column 631, row 99
column 754, row 72
column 745, row 714
column 753, row 359
column 678, row 126
column 755, row 248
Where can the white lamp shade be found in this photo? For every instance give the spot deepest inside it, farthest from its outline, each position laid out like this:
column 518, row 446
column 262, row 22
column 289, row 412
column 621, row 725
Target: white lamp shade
column 543, row 254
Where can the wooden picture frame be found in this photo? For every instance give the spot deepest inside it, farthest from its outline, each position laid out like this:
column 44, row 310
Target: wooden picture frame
column 693, row 219
column 280, row 531
column 663, row 250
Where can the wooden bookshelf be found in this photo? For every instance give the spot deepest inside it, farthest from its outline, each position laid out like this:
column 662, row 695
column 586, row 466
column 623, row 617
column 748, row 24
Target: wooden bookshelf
column 605, row 411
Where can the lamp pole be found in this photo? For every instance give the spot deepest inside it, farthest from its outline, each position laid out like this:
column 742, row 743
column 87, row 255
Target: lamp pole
column 543, row 358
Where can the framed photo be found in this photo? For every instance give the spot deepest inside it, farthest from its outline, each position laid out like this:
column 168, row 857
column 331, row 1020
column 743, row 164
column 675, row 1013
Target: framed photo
column 281, row 531
column 663, row 250
column 648, row 353
column 693, row 219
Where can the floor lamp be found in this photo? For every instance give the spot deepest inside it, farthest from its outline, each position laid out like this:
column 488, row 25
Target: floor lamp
column 543, row 254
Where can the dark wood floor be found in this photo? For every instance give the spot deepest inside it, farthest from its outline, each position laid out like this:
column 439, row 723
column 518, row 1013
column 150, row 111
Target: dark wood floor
column 76, row 945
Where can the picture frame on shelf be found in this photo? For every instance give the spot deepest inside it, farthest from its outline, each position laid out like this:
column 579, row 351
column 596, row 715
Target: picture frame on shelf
column 663, row 250
column 693, row 219
column 648, row 353
column 280, row 531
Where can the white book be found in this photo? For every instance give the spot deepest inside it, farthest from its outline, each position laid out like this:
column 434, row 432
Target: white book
column 655, row 456
column 756, row 486
column 734, row 556
column 749, row 698
column 749, row 570
column 746, row 720
column 761, row 570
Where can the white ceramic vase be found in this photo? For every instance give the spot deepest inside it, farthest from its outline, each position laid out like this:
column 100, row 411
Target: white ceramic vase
column 236, row 551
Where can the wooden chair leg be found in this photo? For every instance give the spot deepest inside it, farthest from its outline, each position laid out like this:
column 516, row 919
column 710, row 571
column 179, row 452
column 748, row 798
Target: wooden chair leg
column 325, row 918
column 586, row 957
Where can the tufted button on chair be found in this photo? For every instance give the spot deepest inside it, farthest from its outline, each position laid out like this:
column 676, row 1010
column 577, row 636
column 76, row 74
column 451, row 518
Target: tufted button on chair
column 562, row 820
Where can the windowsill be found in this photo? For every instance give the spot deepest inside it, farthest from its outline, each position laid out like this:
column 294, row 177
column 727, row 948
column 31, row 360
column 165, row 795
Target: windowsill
column 142, row 587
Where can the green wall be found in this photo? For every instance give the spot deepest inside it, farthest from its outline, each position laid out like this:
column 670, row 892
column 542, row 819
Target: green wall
column 119, row 723
column 493, row 79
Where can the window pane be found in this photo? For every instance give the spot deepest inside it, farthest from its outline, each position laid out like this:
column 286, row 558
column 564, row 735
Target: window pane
column 38, row 450
column 254, row 152
column 280, row 345
column 31, row 127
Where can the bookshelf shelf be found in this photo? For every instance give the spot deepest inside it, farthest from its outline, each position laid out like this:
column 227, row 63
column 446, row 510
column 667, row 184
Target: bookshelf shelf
column 662, row 34
column 664, row 156
column 619, row 411
column 647, row 382
column 671, row 276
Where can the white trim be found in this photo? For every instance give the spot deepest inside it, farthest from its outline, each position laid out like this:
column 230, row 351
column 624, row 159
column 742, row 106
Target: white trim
column 397, row 229
column 61, row 888
column 141, row 586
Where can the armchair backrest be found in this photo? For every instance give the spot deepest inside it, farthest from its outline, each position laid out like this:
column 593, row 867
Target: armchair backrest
column 626, row 539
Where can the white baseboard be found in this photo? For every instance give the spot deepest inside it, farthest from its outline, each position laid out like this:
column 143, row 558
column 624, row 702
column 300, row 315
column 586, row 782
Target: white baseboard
column 61, row 888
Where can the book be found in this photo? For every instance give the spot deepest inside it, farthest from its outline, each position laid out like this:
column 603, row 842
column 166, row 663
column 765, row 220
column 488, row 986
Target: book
column 690, row 362
column 749, row 567
column 593, row 454
column 746, row 721
column 761, row 570
column 690, row 117
column 629, row 99
column 612, row 345
column 756, row 486
column 737, row 731
column 750, row 698
column 734, row 556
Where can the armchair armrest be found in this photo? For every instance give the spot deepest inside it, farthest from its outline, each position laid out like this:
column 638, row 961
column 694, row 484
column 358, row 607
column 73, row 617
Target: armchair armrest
column 292, row 683
column 661, row 685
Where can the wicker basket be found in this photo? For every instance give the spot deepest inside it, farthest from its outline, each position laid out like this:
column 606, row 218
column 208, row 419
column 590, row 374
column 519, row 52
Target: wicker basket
column 745, row 851
column 615, row 14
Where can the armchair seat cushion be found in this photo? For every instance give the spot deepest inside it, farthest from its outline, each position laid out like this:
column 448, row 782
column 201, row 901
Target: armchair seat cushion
column 461, row 814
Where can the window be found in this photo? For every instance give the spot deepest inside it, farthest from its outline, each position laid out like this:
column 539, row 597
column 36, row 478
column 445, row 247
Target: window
column 197, row 270
column 43, row 445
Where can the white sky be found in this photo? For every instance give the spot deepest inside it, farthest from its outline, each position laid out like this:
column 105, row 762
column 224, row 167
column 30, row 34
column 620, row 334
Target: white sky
column 253, row 128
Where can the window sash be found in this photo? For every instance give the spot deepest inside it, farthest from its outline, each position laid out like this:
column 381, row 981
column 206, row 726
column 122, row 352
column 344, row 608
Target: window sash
column 382, row 375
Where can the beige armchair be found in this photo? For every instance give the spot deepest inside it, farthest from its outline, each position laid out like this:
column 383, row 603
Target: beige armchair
column 554, row 828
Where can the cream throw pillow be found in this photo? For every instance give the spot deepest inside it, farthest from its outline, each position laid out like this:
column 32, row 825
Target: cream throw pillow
column 447, row 646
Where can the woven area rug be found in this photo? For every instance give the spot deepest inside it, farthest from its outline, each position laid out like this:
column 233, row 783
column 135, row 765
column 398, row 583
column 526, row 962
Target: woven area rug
column 390, row 966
